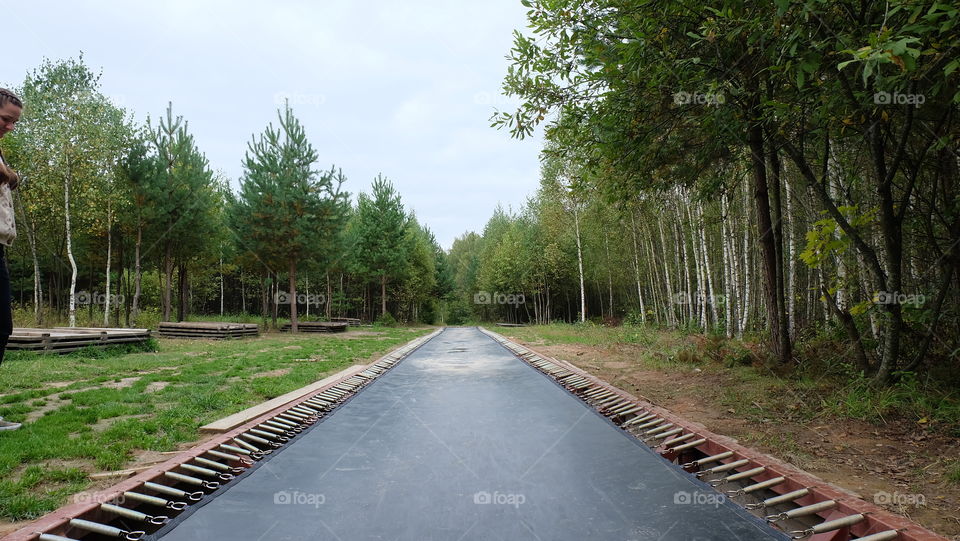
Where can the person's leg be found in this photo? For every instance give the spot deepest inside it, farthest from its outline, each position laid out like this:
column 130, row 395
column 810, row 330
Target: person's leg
column 6, row 310
column 6, row 320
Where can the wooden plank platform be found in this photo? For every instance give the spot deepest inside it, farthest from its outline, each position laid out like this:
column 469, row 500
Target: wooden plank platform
column 241, row 417
column 217, row 330
column 352, row 321
column 67, row 339
column 317, row 326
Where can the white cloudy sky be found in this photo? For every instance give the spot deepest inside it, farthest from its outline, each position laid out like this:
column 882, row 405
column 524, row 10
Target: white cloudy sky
column 402, row 87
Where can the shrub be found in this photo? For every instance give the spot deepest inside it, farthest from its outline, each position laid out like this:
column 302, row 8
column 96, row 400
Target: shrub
column 385, row 320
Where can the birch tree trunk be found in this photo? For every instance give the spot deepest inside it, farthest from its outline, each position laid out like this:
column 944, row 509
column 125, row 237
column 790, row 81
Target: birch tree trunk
column 583, row 294
column 706, row 266
column 671, row 312
column 636, row 266
column 72, row 311
column 791, row 260
column 606, row 243
column 727, row 272
column 686, row 292
column 106, row 299
column 659, row 305
column 745, row 313
column 698, row 296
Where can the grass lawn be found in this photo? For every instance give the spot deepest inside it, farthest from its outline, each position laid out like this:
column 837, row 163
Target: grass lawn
column 92, row 411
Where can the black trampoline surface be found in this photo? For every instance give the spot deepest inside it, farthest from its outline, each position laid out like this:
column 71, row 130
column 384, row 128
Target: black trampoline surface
column 463, row 441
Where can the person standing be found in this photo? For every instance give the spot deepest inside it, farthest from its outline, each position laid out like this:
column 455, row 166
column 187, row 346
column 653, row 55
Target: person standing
column 10, row 109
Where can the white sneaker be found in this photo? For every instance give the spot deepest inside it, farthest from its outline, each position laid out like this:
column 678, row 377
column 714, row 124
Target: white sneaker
column 7, row 425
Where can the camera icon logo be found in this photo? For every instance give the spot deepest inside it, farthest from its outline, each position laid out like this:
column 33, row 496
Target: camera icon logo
column 682, row 498
column 482, row 297
column 482, row 498
column 282, row 297
column 882, row 98
column 282, row 498
column 83, row 297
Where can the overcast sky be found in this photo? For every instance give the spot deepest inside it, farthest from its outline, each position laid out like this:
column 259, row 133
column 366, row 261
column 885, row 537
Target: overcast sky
column 402, row 87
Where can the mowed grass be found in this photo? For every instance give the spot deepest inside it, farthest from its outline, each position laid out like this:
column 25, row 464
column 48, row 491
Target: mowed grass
column 94, row 411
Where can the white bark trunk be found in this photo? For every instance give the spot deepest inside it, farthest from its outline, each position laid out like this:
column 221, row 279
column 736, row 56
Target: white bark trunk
column 583, row 294
column 106, row 298
column 72, row 311
column 671, row 312
column 727, row 270
column 636, row 266
column 606, row 244
column 791, row 261
column 698, row 298
column 712, row 299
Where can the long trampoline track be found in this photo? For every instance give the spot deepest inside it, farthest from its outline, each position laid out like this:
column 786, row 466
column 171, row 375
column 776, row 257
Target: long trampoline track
column 463, row 435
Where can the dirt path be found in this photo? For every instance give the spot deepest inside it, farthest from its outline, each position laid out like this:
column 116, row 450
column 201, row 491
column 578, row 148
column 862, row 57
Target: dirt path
column 899, row 465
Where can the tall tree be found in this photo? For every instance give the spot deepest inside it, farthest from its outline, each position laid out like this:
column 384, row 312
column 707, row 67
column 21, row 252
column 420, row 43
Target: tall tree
column 381, row 228
column 292, row 211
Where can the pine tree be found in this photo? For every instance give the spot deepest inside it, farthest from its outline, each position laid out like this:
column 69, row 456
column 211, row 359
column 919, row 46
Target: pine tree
column 381, row 224
column 289, row 211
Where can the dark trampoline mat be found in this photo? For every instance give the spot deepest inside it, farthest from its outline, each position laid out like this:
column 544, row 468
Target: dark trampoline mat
column 463, row 442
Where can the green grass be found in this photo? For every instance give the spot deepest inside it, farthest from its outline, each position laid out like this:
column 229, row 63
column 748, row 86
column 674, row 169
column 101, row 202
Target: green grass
column 102, row 408
column 953, row 474
column 586, row 334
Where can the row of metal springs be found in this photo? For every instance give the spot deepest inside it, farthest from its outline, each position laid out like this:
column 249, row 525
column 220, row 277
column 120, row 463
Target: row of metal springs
column 205, row 474
column 657, row 432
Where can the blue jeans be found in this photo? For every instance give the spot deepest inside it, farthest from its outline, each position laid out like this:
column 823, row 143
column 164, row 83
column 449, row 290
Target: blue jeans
column 6, row 311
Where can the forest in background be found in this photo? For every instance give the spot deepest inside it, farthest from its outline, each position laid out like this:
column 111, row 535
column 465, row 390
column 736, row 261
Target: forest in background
column 787, row 170
column 125, row 223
